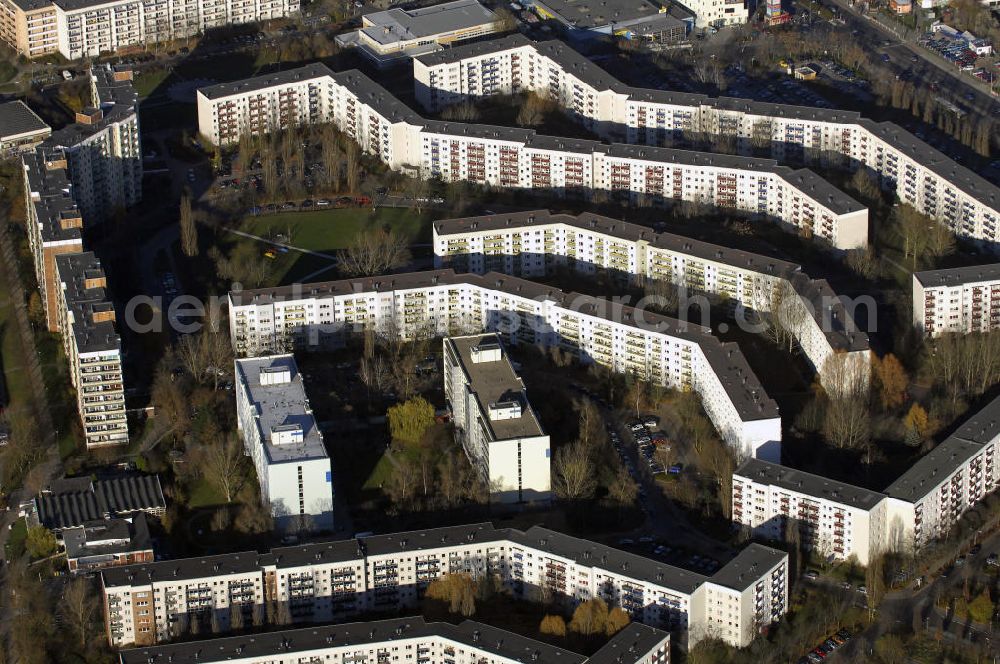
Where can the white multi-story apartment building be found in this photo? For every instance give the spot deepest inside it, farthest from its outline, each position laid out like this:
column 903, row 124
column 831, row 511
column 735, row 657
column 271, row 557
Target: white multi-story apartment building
column 93, row 348
column 832, row 518
column 408, row 639
column 496, row 423
column 336, row 581
column 280, row 434
column 88, row 28
column 521, row 159
column 917, row 173
column 533, row 243
column 960, row 299
column 841, row 520
column 79, row 176
column 648, row 346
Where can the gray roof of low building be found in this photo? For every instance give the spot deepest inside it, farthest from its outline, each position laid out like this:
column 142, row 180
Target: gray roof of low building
column 85, row 541
column 790, row 479
column 495, row 382
column 68, row 504
column 16, row 118
column 398, row 24
column 507, row 646
column 956, row 276
column 590, row 14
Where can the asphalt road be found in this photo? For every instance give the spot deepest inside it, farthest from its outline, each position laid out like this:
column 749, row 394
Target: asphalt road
column 928, row 68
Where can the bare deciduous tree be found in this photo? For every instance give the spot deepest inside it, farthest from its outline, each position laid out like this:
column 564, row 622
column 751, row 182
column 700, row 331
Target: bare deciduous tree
column 573, row 472
column 189, row 229
column 375, row 252
column 224, row 465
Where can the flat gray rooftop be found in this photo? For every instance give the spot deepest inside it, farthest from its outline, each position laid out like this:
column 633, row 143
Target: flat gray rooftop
column 393, row 25
column 816, row 486
column 17, row 119
column 956, row 276
column 281, row 405
column 589, row 14
column 494, row 382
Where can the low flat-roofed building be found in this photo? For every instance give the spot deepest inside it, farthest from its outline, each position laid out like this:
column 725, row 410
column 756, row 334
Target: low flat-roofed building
column 20, row 128
column 96, row 545
column 498, row 428
column 395, row 35
column 282, row 437
column 73, row 501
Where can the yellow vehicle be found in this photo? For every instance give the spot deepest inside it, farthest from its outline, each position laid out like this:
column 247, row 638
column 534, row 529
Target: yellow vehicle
column 783, row 64
column 271, row 254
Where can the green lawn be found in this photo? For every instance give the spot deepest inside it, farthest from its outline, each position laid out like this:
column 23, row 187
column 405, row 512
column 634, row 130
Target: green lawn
column 380, row 474
column 329, row 230
column 148, row 82
column 15, row 543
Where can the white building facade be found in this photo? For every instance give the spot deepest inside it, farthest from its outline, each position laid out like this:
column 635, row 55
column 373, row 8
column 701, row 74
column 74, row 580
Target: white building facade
column 428, row 304
column 282, row 438
column 335, row 581
column 94, row 27
column 522, row 159
column 918, row 174
column 960, row 300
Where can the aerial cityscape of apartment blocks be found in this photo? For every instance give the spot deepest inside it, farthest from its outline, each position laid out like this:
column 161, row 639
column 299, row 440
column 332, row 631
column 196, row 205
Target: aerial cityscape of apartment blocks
column 82, row 28
column 412, row 305
column 495, row 421
column 959, row 299
column 79, row 177
column 155, row 602
column 535, row 243
column 410, row 639
column 917, row 173
column 282, row 438
column 841, row 520
column 522, row 159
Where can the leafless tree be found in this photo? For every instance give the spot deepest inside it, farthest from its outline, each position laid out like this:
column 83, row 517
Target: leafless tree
column 224, row 465
column 573, row 472
column 374, row 252
column 78, row 609
column 189, row 229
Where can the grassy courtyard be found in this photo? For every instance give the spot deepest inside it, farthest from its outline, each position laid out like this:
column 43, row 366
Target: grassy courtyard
column 327, row 231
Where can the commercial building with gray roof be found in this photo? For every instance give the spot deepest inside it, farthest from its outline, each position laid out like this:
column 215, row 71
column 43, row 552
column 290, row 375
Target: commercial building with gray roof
column 20, row 128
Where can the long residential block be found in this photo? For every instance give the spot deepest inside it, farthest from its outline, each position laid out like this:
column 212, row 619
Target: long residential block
column 536, row 243
column 513, row 158
column 337, row 581
column 435, row 303
column 281, row 436
column 82, row 175
column 960, row 300
column 88, row 28
column 840, row 520
column 408, row 639
column 910, row 168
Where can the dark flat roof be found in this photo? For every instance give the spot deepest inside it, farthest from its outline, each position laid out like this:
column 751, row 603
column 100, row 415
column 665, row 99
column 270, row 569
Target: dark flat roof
column 74, row 270
column 505, row 645
column 956, row 276
column 799, row 481
column 589, row 14
column 72, row 503
column 17, row 118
